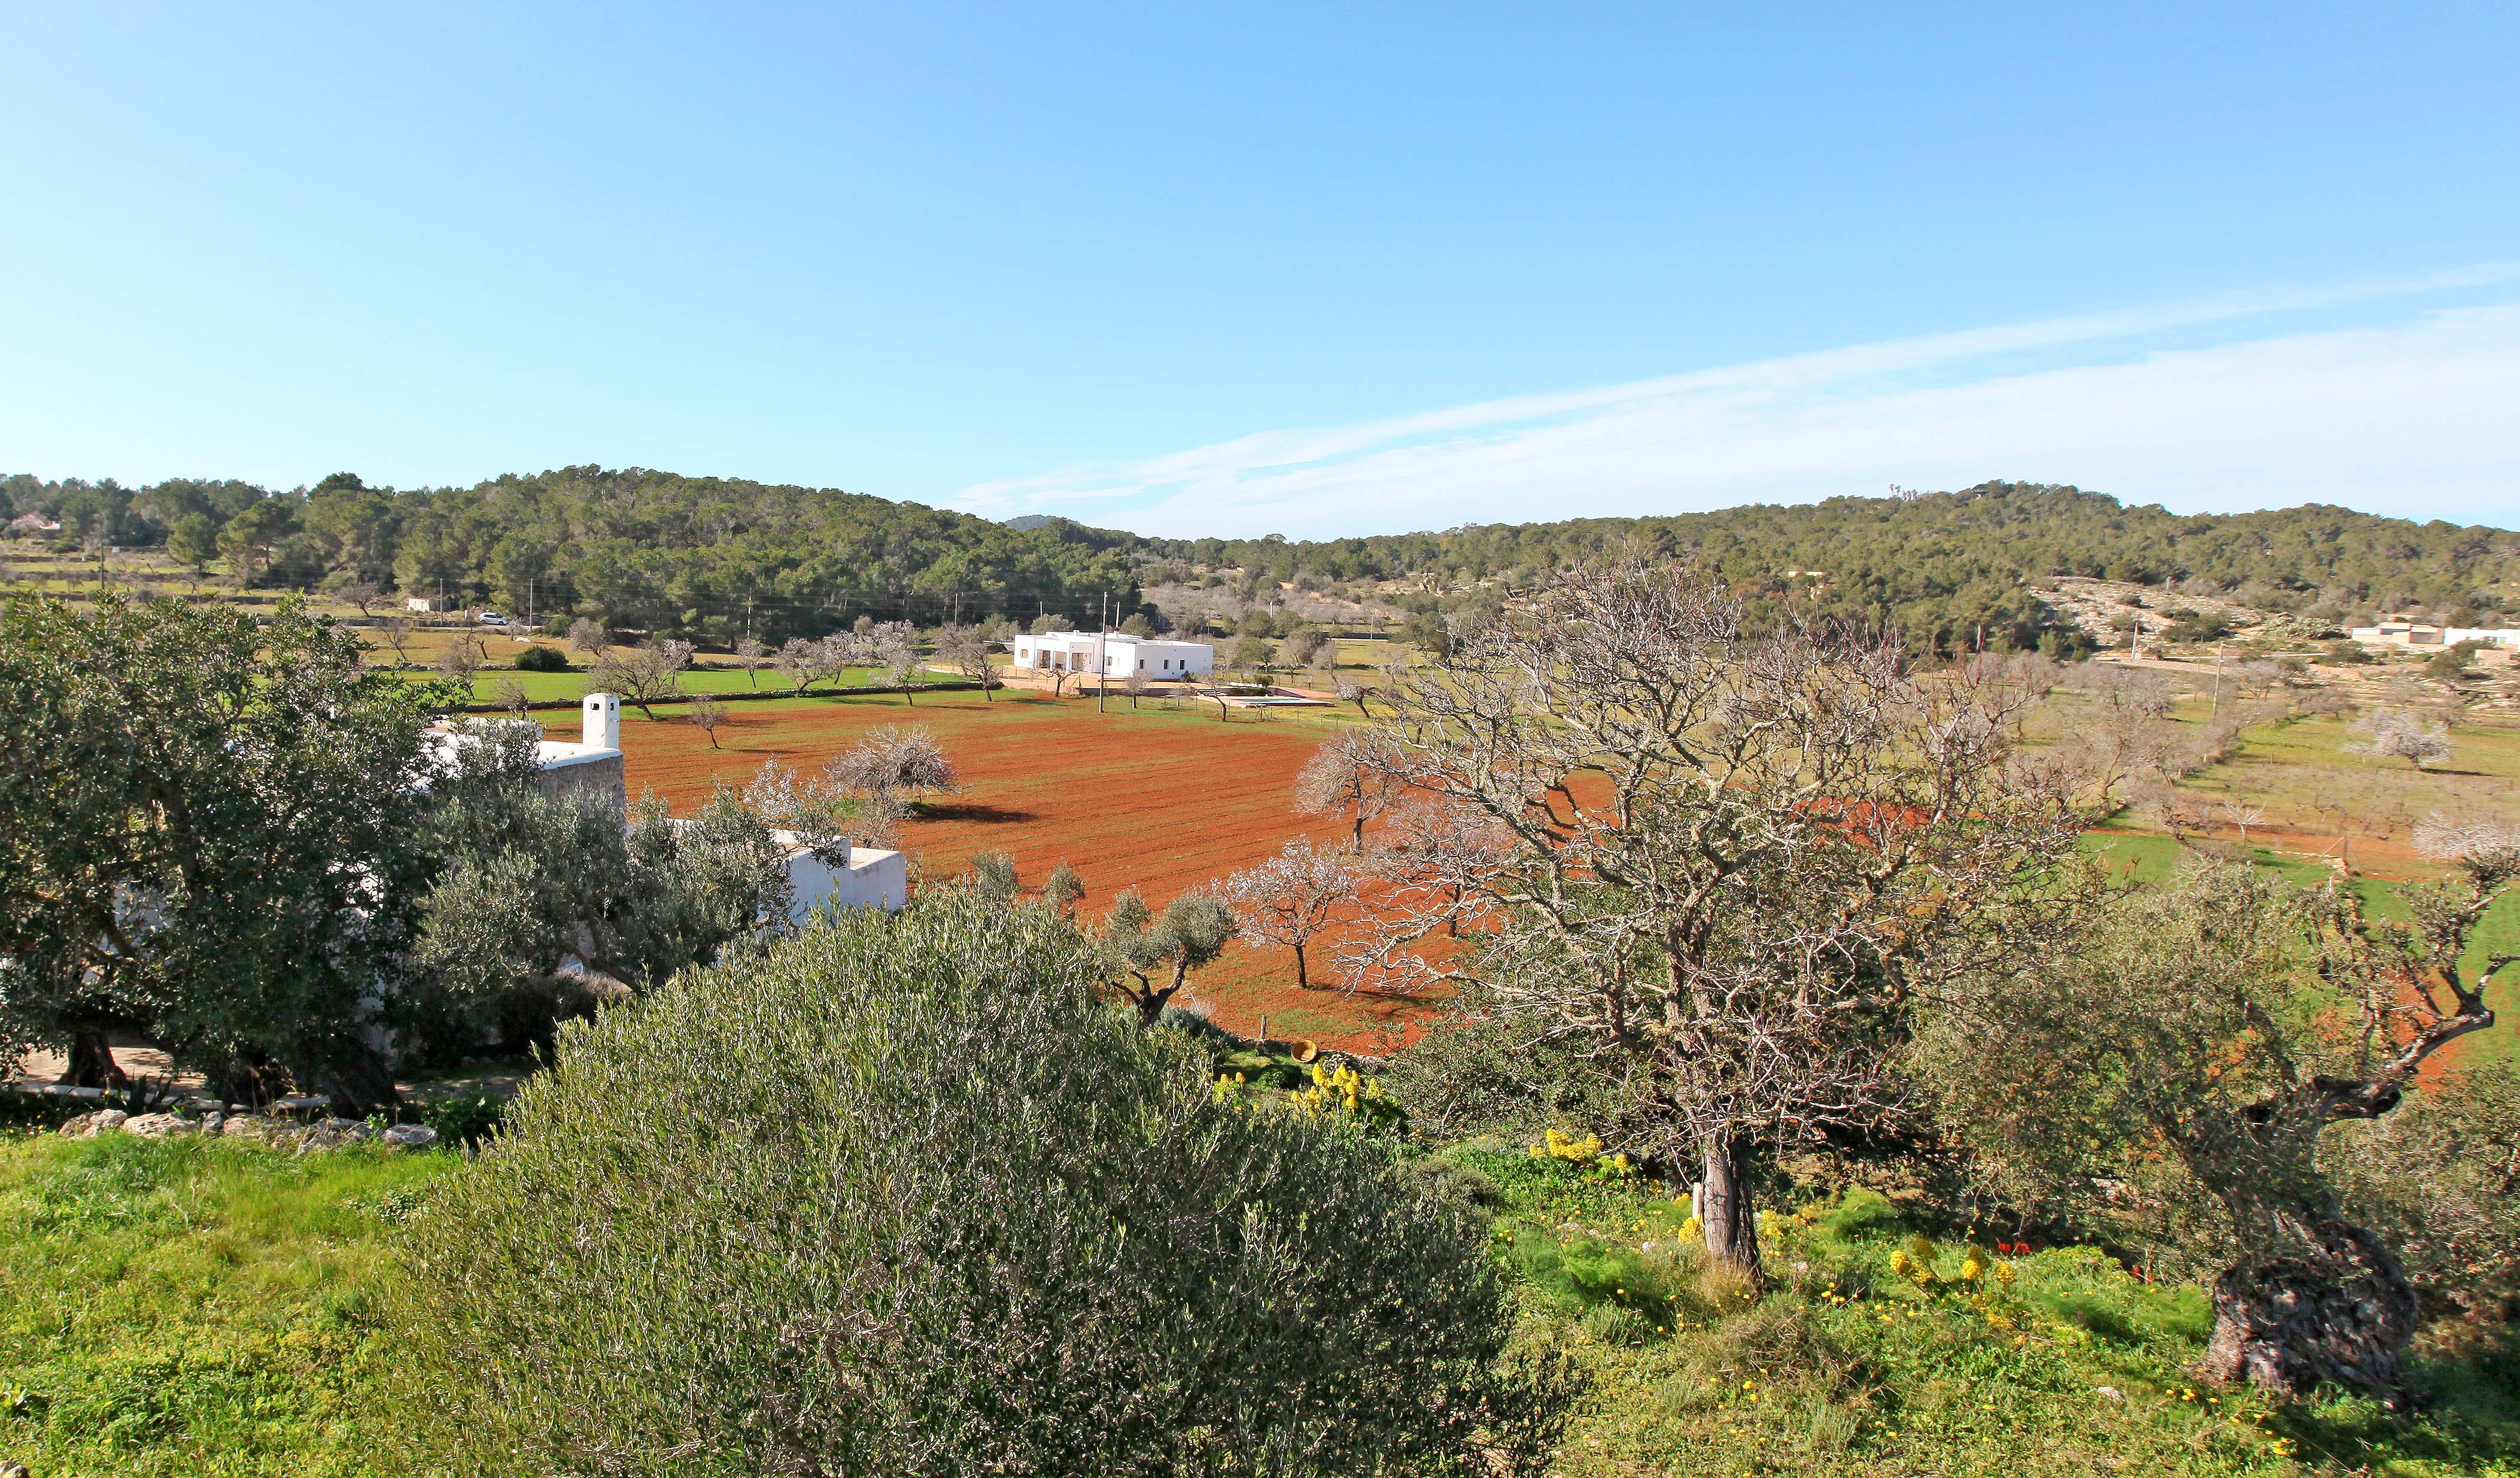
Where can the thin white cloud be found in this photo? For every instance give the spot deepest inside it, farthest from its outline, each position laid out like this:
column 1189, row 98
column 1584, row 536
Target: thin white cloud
column 2413, row 417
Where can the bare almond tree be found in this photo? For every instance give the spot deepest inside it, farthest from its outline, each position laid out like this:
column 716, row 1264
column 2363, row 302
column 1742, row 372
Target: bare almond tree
column 641, row 675
column 824, row 814
column 2241, row 816
column 893, row 651
column 462, row 657
column 1726, row 861
column 1427, row 858
column 590, row 639
column 2398, row 734
column 1347, row 774
column 363, row 594
column 805, row 661
column 753, row 655
column 1289, row 899
column 896, row 759
column 707, row 715
column 395, row 632
column 965, row 650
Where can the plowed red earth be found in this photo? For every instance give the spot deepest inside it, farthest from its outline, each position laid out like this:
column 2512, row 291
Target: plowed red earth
column 1151, row 798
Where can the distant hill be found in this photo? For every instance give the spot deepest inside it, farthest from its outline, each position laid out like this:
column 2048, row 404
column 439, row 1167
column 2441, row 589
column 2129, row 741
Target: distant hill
column 1950, row 567
column 719, row 557
column 711, row 557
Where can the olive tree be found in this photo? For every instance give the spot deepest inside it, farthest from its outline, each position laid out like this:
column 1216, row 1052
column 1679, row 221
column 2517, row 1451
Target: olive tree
column 935, row 1208
column 543, row 898
column 2189, row 1060
column 1157, row 952
column 210, row 839
column 1724, row 863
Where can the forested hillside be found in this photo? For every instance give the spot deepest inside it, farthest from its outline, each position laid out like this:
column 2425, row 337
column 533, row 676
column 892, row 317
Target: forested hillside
column 714, row 558
column 1942, row 564
column 633, row 547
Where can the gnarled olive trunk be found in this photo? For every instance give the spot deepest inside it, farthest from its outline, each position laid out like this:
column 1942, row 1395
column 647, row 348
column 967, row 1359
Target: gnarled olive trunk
column 1731, row 1221
column 360, row 1083
column 2338, row 1308
column 92, row 1064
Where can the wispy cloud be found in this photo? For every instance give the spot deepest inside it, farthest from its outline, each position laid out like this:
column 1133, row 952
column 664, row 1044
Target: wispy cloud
column 2412, row 414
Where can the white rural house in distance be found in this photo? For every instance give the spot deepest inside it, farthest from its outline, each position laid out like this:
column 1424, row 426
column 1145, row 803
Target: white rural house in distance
column 1113, row 654
column 2398, row 633
column 872, row 877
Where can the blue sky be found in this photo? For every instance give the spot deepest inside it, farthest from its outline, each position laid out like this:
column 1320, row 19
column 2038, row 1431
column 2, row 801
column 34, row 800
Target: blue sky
column 1311, row 270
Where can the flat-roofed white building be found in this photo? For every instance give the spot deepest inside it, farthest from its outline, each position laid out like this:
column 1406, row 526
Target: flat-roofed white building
column 1113, row 654
column 2419, row 633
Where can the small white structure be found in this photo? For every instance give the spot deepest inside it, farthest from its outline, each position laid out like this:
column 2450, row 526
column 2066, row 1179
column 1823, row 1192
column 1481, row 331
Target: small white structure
column 1115, row 654
column 594, row 762
column 2393, row 633
column 872, row 879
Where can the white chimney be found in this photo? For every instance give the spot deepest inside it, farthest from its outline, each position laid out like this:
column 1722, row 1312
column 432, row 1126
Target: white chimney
column 602, row 721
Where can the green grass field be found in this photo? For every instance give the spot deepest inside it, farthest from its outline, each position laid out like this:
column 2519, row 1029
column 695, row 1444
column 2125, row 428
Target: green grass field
column 563, row 689
column 2059, row 1362
column 194, row 1309
column 204, row 1308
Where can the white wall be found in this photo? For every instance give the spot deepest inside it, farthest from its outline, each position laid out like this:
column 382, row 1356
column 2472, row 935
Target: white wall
column 1120, row 655
column 871, row 879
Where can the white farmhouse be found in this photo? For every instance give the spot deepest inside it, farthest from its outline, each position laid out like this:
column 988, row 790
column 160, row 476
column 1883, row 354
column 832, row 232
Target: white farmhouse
column 2399, row 633
column 1115, row 654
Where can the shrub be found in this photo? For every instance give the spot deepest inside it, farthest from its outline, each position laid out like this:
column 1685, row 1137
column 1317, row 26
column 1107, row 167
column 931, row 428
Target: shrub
column 542, row 659
column 903, row 1196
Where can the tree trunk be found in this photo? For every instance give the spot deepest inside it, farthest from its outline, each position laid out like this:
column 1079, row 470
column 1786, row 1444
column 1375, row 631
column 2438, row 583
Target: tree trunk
column 1301, row 982
column 1731, row 1221
column 254, row 1080
column 92, row 1063
column 360, row 1084
column 2342, row 1312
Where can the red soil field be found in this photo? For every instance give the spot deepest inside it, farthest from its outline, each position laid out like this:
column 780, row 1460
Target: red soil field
column 1151, row 798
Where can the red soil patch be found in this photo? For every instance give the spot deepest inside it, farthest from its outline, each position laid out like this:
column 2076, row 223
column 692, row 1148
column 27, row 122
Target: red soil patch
column 1153, row 800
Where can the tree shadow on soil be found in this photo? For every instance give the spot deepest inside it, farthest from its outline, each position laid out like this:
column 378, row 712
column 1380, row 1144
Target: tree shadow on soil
column 978, row 811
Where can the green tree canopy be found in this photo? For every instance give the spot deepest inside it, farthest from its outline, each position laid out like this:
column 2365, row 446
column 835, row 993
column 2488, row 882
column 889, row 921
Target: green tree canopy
column 206, row 840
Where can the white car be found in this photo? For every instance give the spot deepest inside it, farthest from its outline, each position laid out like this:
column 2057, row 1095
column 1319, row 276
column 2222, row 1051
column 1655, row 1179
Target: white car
column 491, row 618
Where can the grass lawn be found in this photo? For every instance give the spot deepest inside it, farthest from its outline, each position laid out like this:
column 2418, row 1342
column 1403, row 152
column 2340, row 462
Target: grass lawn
column 566, row 688
column 193, row 1309
column 202, row 1308
column 2070, row 1367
